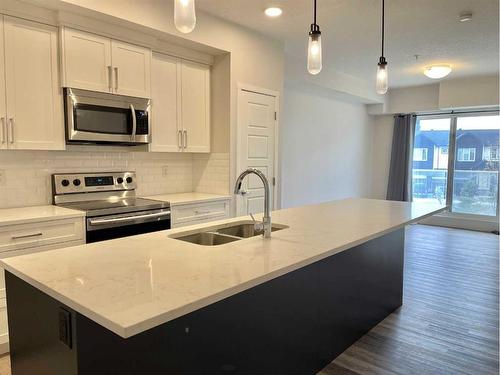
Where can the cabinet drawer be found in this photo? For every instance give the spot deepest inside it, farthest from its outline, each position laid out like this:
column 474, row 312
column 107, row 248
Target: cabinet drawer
column 199, row 212
column 24, row 236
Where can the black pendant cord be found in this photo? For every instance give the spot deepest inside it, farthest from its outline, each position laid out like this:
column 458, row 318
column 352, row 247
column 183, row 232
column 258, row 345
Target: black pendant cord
column 314, row 25
column 383, row 25
column 314, row 13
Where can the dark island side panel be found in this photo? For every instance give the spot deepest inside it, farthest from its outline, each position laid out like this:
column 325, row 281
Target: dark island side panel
column 294, row 324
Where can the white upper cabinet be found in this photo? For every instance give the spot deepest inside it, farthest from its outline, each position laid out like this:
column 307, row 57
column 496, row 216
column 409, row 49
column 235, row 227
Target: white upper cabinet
column 165, row 91
column 93, row 62
column 195, row 105
column 34, row 114
column 86, row 61
column 132, row 69
column 180, row 105
column 3, row 108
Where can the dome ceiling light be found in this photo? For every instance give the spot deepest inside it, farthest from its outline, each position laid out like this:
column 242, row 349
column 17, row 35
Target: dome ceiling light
column 273, row 12
column 437, row 71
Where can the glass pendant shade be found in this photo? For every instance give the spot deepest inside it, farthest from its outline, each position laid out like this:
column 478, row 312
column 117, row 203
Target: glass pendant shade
column 314, row 63
column 382, row 79
column 184, row 15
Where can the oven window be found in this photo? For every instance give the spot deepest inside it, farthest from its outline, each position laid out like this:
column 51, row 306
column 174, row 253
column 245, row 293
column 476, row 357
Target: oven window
column 98, row 119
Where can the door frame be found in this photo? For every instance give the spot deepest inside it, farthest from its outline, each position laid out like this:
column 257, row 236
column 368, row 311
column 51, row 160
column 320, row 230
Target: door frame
column 243, row 87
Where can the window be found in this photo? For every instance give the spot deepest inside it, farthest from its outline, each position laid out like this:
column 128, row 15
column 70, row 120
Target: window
column 420, row 154
column 490, row 153
column 441, row 158
column 475, row 185
column 429, row 180
column 466, row 154
column 470, row 184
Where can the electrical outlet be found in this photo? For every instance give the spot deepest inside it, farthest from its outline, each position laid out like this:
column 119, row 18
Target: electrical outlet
column 2, row 177
column 164, row 171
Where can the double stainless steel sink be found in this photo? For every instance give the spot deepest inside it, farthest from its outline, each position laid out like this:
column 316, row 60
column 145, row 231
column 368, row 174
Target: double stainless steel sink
column 223, row 234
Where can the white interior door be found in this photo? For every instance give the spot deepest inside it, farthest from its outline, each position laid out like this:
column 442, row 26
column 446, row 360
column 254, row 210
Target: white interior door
column 256, row 148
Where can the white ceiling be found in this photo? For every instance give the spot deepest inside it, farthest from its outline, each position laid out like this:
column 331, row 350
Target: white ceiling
column 351, row 33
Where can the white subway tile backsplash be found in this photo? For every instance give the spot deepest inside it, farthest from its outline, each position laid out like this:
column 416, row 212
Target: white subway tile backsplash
column 27, row 173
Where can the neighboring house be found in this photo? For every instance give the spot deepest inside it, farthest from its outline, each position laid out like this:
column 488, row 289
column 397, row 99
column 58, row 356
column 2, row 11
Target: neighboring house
column 477, row 153
column 477, row 150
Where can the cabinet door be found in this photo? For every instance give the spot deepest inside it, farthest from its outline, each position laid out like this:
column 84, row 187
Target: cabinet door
column 131, row 69
column 165, row 93
column 3, row 109
column 195, row 105
column 86, row 61
column 34, row 97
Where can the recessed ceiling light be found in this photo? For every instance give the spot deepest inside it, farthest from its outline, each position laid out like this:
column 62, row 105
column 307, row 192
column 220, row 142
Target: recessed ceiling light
column 273, row 12
column 437, row 71
column 465, row 16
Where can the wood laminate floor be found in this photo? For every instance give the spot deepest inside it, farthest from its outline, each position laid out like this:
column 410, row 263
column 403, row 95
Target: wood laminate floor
column 448, row 323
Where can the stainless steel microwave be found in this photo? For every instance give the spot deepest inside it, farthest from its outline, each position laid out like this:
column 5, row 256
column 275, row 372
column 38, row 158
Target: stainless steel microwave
column 94, row 117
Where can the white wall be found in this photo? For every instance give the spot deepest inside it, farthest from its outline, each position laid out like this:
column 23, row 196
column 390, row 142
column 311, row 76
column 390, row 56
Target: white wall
column 464, row 93
column 481, row 91
column 325, row 147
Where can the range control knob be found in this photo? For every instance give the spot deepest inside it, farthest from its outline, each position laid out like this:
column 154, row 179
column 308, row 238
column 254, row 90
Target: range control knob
column 76, row 182
column 64, row 182
column 129, row 180
column 119, row 180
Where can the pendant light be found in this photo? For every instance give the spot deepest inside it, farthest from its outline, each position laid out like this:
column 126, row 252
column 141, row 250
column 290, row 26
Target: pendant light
column 382, row 81
column 184, row 15
column 314, row 63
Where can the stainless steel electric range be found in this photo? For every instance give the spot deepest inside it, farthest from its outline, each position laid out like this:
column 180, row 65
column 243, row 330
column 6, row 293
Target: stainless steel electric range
column 110, row 202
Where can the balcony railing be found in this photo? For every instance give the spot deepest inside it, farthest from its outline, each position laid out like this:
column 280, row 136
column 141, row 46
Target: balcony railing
column 474, row 192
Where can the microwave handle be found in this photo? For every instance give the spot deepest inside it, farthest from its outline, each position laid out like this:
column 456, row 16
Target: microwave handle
column 134, row 122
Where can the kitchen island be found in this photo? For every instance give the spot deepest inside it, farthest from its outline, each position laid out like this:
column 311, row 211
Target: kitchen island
column 153, row 304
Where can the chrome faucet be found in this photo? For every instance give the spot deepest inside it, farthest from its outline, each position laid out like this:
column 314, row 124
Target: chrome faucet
column 266, row 220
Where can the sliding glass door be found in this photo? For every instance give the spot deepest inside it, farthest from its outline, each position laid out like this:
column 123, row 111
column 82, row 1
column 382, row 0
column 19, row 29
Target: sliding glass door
column 475, row 178
column 455, row 161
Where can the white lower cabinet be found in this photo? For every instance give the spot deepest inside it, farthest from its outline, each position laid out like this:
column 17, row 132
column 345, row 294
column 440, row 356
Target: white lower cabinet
column 20, row 239
column 198, row 213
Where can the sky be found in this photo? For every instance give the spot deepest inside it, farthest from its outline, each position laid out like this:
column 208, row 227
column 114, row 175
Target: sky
column 465, row 123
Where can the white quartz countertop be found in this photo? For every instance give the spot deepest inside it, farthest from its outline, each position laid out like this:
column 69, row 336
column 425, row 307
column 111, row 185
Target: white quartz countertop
column 132, row 284
column 23, row 215
column 187, row 198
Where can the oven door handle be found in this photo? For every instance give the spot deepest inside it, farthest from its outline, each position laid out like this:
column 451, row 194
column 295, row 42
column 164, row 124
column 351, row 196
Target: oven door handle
column 128, row 218
column 134, row 123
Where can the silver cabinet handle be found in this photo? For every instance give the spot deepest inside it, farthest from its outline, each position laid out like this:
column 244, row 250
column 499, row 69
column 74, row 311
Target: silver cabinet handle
column 110, row 77
column 134, row 122
column 185, row 138
column 27, row 235
column 129, row 218
column 179, row 138
column 198, row 212
column 116, row 77
column 11, row 130
column 4, row 129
